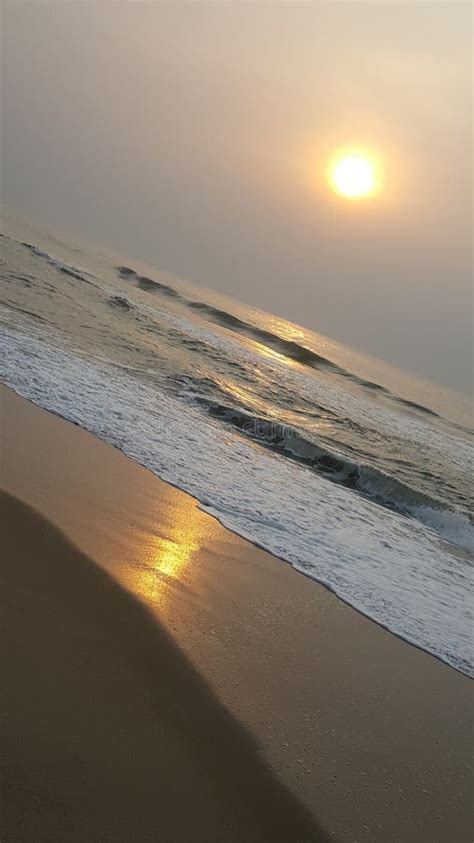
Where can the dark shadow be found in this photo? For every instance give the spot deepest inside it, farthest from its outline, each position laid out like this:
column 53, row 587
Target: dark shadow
column 108, row 732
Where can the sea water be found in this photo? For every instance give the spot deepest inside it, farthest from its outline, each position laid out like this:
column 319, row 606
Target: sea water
column 356, row 474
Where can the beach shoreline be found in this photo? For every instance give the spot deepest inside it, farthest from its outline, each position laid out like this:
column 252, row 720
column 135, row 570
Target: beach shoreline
column 368, row 737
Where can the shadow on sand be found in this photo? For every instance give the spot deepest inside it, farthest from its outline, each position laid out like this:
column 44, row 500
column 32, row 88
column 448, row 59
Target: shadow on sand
column 109, row 733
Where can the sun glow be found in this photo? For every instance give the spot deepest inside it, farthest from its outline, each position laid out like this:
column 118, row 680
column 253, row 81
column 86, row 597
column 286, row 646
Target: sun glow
column 354, row 175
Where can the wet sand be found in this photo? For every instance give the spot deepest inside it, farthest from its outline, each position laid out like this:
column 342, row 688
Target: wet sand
column 110, row 733
column 166, row 680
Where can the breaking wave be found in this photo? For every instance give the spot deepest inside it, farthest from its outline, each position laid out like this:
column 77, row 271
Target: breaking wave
column 381, row 488
column 370, row 502
column 147, row 284
column 288, row 348
column 58, row 264
column 120, row 302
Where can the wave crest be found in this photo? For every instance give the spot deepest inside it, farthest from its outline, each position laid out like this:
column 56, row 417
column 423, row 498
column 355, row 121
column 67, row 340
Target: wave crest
column 285, row 440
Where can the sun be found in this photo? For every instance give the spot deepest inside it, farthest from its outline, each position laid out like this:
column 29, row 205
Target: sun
column 354, row 175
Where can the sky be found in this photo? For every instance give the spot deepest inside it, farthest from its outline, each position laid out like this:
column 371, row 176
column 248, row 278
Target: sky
column 197, row 136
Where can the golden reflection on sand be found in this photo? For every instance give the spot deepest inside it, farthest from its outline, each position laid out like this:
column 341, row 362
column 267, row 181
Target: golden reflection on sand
column 168, row 547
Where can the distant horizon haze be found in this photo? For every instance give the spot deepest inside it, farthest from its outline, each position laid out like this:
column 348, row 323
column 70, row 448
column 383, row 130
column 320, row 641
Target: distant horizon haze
column 197, row 137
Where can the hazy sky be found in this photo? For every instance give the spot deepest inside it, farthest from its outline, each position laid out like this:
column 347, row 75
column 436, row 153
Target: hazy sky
column 196, row 136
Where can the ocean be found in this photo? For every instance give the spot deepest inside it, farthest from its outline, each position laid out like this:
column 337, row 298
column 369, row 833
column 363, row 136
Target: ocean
column 355, row 473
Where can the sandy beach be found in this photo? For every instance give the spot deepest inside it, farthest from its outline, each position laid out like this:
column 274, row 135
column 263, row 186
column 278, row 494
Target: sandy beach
column 164, row 679
column 236, row 422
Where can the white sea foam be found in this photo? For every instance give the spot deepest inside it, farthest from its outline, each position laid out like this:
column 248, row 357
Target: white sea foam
column 393, row 569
